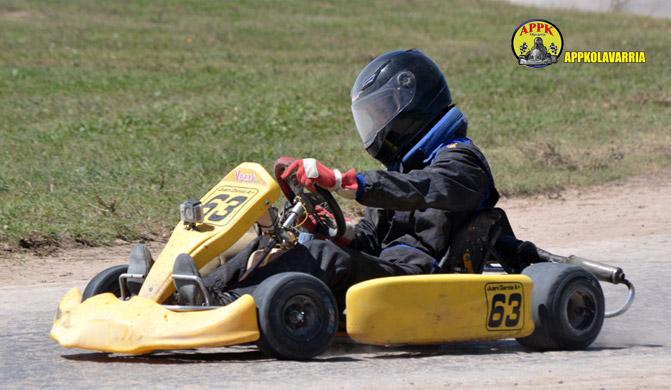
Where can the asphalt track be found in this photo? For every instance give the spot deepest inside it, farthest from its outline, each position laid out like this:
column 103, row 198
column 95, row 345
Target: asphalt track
column 633, row 351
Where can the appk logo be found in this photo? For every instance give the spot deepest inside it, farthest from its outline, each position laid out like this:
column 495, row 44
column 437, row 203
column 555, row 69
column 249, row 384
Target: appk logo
column 537, row 43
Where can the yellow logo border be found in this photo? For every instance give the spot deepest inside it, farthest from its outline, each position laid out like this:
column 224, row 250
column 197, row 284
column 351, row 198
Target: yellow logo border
column 512, row 40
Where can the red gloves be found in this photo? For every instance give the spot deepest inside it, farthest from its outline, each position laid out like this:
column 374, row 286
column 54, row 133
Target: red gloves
column 310, row 225
column 310, row 172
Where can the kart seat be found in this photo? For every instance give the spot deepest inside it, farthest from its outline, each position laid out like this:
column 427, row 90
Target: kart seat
column 487, row 237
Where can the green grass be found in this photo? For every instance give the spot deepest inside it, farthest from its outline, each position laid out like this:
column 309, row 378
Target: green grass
column 111, row 113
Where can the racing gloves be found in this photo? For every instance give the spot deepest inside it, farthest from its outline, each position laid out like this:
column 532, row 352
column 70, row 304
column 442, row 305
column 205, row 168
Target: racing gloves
column 310, row 172
column 310, row 225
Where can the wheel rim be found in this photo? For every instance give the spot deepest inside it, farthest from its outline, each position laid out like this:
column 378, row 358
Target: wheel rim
column 300, row 317
column 581, row 309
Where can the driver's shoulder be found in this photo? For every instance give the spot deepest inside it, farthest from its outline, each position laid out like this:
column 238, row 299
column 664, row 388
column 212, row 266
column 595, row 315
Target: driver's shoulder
column 458, row 151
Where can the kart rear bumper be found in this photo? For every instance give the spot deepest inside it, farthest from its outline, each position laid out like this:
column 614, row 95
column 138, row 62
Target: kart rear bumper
column 140, row 325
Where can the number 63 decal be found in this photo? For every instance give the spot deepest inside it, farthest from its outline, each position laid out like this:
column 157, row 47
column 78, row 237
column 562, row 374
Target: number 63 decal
column 222, row 206
column 504, row 310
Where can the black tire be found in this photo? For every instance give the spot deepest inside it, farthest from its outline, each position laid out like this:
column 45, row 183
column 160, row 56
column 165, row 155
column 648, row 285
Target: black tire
column 297, row 316
column 567, row 307
column 106, row 281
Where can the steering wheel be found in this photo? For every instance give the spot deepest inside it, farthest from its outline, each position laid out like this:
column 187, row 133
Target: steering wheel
column 332, row 226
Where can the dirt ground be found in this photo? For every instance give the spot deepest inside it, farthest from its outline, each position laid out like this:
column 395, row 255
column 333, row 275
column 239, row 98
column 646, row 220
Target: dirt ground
column 638, row 206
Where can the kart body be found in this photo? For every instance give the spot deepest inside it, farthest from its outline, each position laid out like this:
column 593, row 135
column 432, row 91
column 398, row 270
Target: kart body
column 422, row 309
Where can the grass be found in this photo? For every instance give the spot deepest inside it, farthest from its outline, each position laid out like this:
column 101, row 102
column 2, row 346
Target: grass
column 111, row 113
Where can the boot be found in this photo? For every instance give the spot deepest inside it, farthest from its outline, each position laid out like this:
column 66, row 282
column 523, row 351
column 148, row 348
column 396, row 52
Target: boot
column 139, row 264
column 189, row 292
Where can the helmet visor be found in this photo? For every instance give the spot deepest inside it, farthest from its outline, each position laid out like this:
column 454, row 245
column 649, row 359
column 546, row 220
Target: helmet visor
column 374, row 111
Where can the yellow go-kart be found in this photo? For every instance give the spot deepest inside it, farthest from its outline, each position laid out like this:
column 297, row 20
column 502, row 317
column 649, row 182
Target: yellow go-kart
column 556, row 303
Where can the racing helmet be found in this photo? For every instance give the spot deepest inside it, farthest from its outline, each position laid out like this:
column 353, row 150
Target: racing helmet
column 396, row 99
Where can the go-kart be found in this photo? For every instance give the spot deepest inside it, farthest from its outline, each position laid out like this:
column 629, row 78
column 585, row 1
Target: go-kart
column 489, row 285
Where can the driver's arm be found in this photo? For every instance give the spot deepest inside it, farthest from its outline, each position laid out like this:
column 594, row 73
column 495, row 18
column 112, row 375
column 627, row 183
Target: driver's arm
column 366, row 238
column 455, row 181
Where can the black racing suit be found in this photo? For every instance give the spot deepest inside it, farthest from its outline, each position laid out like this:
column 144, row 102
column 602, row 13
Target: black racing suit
column 408, row 223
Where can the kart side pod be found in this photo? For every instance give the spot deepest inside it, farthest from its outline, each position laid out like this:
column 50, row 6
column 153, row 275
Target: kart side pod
column 428, row 309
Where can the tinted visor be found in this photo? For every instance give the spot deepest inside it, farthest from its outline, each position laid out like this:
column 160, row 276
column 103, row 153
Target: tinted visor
column 374, row 111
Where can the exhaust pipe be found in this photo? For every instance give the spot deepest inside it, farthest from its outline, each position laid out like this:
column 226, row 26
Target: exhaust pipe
column 603, row 272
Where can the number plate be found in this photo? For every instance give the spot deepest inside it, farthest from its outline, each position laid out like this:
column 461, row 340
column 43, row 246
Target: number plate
column 505, row 309
column 226, row 202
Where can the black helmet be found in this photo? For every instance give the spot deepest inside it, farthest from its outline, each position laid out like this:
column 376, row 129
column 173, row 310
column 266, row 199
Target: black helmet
column 395, row 100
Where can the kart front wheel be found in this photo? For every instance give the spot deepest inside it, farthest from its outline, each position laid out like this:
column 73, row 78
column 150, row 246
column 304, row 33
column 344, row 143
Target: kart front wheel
column 297, row 316
column 567, row 307
column 106, row 281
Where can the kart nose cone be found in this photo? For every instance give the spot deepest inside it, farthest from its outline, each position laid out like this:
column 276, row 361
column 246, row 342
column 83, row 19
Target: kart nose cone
column 140, row 325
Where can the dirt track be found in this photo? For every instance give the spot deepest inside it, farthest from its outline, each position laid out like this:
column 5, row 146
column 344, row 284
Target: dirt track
column 626, row 223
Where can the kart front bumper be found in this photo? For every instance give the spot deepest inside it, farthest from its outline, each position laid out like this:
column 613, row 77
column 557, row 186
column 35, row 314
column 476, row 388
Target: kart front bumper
column 140, row 325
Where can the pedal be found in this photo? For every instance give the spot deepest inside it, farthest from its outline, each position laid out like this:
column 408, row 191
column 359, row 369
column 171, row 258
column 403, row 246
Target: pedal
column 139, row 264
column 188, row 282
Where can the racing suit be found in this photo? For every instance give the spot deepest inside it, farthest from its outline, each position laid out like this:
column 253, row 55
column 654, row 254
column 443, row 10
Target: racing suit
column 409, row 220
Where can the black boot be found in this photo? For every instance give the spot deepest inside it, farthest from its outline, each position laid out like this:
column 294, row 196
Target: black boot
column 185, row 278
column 139, row 264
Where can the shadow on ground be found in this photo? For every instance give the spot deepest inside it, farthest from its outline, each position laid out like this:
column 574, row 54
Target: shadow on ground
column 341, row 351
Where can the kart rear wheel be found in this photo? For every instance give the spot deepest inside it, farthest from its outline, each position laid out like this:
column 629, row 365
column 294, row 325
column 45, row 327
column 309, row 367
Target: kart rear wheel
column 106, row 281
column 297, row 316
column 567, row 307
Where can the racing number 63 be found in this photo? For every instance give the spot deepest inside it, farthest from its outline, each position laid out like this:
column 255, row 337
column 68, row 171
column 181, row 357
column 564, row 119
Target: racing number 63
column 505, row 311
column 213, row 208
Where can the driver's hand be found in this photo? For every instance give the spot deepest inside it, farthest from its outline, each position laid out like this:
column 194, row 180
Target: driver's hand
column 310, row 226
column 310, row 172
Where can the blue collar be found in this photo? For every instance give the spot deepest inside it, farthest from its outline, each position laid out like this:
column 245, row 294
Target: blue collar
column 441, row 134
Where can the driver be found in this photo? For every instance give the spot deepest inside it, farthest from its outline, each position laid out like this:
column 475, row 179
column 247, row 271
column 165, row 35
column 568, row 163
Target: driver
column 435, row 180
